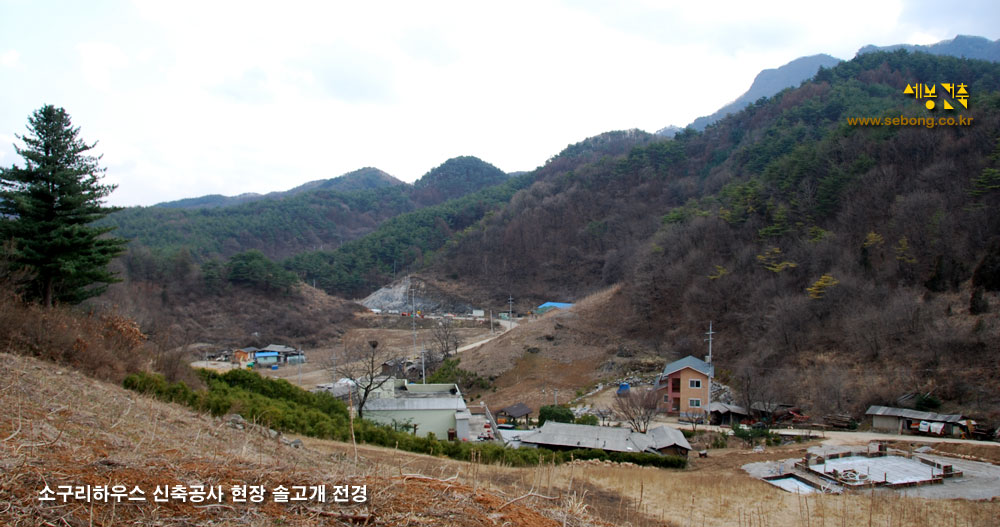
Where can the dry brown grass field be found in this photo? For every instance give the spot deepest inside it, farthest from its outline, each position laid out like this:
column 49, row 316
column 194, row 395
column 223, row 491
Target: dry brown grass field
column 62, row 428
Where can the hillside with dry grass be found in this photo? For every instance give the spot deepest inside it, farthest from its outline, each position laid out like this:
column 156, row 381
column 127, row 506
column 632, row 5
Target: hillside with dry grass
column 62, row 428
column 182, row 313
column 569, row 351
column 65, row 429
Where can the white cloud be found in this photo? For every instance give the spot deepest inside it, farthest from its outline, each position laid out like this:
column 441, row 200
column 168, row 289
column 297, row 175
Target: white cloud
column 192, row 97
column 10, row 58
column 6, row 150
column 98, row 62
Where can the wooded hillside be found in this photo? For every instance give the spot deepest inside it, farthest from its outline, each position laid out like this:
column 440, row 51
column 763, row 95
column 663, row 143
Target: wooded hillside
column 320, row 215
column 815, row 246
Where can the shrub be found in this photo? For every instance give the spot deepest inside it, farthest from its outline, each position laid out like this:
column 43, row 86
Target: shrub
column 750, row 435
column 280, row 405
column 559, row 414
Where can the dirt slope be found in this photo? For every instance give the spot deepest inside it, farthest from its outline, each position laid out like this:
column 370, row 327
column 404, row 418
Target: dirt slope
column 61, row 428
column 564, row 350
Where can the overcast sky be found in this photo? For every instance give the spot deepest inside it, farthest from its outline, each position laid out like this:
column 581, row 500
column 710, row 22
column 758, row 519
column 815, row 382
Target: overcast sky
column 188, row 98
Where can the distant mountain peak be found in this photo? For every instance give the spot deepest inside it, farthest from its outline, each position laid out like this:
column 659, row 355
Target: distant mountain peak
column 456, row 177
column 768, row 83
column 962, row 46
column 362, row 179
column 669, row 131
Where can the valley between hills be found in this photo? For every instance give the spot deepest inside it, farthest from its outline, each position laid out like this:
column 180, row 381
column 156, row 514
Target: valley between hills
column 838, row 267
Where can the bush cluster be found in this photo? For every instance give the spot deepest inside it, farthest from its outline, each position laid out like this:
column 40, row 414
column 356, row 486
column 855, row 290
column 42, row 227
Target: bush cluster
column 104, row 345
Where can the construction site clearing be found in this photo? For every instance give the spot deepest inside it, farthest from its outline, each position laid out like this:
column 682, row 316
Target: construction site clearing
column 835, row 470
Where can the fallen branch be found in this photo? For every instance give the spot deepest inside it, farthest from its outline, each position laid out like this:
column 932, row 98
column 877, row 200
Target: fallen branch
column 215, row 506
column 530, row 494
column 14, row 433
column 428, row 478
column 125, row 414
column 34, row 445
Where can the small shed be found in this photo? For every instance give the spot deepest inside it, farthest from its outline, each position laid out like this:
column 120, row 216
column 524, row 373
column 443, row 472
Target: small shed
column 266, row 357
column 514, row 412
column 899, row 420
column 244, row 355
column 727, row 414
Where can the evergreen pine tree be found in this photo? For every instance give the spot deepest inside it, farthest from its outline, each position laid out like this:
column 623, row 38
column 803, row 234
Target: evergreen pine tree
column 47, row 208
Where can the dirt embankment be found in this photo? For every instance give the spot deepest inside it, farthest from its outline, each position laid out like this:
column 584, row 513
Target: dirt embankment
column 565, row 350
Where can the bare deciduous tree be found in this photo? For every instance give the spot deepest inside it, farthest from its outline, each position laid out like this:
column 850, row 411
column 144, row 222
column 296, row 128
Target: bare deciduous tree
column 636, row 408
column 446, row 340
column 361, row 363
column 757, row 391
column 696, row 416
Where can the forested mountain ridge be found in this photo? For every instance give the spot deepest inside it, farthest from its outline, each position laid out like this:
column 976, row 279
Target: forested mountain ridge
column 367, row 178
column 315, row 216
column 413, row 241
column 962, row 46
column 816, row 246
column 770, row 81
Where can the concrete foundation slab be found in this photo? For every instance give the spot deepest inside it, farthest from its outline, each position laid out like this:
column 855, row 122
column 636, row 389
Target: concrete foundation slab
column 890, row 469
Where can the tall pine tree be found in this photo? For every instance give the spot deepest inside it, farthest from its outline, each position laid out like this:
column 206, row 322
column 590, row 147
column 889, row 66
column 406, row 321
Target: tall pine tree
column 47, row 207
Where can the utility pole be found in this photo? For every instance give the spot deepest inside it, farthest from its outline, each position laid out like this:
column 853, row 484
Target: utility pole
column 711, row 370
column 491, row 322
column 555, row 397
column 709, row 339
column 413, row 319
column 510, row 310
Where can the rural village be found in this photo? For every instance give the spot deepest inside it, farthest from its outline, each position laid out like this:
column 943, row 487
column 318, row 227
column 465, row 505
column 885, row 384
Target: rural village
column 663, row 413
column 260, row 278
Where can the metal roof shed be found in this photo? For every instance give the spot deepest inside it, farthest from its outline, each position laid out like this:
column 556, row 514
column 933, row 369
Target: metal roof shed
column 570, row 436
column 516, row 411
column 900, row 420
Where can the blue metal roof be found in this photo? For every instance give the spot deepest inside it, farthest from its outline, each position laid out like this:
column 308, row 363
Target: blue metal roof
column 694, row 363
column 558, row 305
column 260, row 354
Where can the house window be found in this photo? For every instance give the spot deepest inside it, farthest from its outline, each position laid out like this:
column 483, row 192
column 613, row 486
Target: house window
column 694, row 403
column 666, row 398
column 694, row 383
